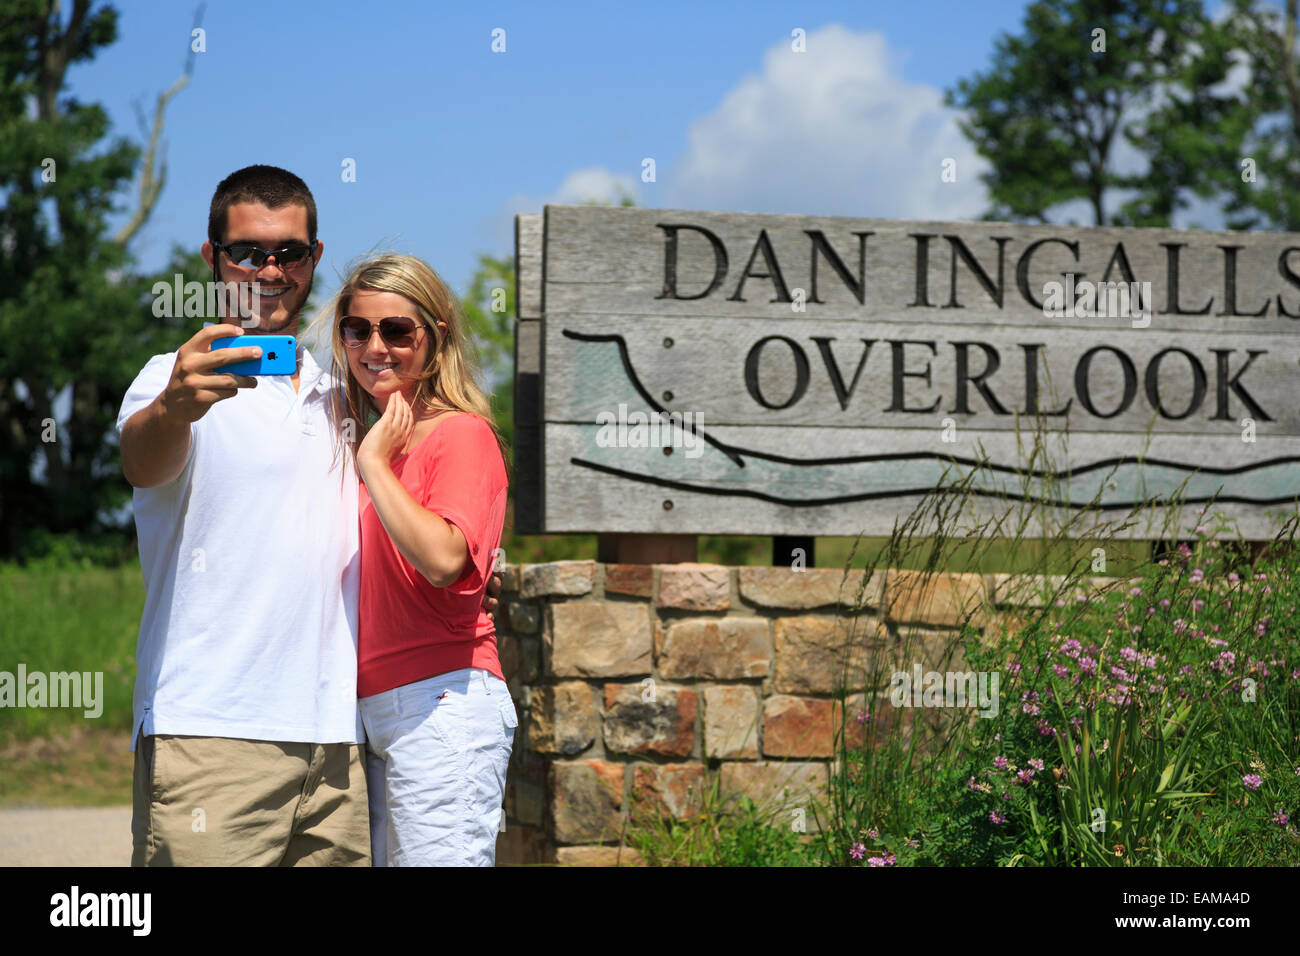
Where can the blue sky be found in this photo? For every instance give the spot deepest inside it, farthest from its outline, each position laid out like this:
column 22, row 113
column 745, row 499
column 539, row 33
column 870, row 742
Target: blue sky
column 451, row 140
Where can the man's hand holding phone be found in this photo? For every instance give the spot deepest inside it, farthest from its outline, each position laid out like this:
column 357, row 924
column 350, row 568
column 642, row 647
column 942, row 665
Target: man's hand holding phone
column 198, row 382
column 155, row 441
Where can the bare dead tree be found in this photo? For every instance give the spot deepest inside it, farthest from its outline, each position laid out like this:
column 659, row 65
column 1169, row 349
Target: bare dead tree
column 153, row 172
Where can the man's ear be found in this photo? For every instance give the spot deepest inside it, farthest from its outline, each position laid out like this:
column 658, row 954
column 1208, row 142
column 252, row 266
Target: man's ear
column 316, row 256
column 210, row 257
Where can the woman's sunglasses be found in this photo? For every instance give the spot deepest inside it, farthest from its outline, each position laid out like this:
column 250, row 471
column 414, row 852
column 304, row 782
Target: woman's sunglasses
column 398, row 330
column 248, row 256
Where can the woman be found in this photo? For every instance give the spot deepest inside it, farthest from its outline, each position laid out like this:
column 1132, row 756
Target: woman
column 438, row 717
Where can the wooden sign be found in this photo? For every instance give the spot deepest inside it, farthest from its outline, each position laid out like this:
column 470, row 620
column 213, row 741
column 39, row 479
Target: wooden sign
column 685, row 372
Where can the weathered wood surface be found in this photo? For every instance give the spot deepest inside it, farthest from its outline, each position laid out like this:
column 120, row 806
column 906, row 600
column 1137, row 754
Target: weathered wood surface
column 850, row 380
column 527, row 452
column 590, row 486
column 611, row 261
column 528, row 266
column 826, row 405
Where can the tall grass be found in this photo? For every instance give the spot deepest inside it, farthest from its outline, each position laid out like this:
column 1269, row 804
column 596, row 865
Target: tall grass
column 59, row 616
column 1156, row 723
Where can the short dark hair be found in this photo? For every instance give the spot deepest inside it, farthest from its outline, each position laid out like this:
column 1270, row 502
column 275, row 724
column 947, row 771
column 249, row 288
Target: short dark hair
column 272, row 186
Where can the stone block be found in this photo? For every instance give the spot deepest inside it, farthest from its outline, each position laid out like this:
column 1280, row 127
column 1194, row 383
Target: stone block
column 599, row 639
column 695, row 587
column 727, row 648
column 651, row 719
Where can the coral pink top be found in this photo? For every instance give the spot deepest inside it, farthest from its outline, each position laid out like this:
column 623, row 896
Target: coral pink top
column 409, row 629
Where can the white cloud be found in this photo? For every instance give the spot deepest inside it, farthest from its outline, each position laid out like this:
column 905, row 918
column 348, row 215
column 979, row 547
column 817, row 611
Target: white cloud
column 581, row 185
column 595, row 183
column 833, row 131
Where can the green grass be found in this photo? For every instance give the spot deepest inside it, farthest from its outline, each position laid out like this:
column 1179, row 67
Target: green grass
column 70, row 618
column 85, row 769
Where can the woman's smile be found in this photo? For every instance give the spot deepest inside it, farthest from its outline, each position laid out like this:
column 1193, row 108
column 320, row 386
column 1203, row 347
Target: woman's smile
column 380, row 367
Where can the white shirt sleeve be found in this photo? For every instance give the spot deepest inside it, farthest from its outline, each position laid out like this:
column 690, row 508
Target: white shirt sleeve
column 148, row 385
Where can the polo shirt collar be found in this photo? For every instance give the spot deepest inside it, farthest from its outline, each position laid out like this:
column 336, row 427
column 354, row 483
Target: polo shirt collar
column 310, row 375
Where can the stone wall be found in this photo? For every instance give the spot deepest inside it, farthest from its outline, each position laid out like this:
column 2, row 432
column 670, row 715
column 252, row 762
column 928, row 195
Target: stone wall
column 642, row 682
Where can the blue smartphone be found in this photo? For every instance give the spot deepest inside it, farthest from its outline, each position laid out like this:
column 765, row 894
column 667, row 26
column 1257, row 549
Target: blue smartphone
column 279, row 354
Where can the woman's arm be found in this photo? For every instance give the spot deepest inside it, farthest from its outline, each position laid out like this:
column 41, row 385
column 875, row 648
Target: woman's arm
column 436, row 549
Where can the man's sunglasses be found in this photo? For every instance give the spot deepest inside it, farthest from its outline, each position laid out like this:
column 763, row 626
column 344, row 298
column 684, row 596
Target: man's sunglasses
column 398, row 330
column 248, row 256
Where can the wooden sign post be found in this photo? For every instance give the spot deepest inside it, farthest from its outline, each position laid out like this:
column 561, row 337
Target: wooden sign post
column 682, row 372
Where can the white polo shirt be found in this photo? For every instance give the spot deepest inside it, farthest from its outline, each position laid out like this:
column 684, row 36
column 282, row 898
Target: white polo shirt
column 251, row 567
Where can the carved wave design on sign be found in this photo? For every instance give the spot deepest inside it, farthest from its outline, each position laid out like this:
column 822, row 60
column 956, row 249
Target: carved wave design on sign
column 726, row 469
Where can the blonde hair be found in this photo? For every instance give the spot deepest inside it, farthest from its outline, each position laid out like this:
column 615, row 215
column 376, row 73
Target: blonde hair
column 446, row 383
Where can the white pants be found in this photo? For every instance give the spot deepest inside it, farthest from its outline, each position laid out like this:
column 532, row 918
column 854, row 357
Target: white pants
column 436, row 757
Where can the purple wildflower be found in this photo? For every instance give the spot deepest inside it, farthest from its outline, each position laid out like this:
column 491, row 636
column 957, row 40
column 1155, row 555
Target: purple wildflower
column 1224, row 662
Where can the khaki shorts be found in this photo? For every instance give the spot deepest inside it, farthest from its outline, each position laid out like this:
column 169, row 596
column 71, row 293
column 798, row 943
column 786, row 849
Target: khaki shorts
column 221, row 801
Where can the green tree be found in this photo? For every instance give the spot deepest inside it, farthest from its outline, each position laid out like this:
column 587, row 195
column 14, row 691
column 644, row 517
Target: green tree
column 1083, row 77
column 1262, row 176
column 489, row 307
column 75, row 317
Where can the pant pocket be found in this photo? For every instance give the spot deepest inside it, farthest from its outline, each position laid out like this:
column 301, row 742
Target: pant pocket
column 509, row 720
column 154, row 779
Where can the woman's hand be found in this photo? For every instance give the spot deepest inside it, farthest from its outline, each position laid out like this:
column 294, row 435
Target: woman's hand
column 436, row 549
column 388, row 436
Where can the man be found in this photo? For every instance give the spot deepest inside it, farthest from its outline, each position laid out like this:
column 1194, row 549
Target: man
column 247, row 739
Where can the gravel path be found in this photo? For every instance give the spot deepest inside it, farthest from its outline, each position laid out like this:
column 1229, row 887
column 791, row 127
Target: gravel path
column 66, row 836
